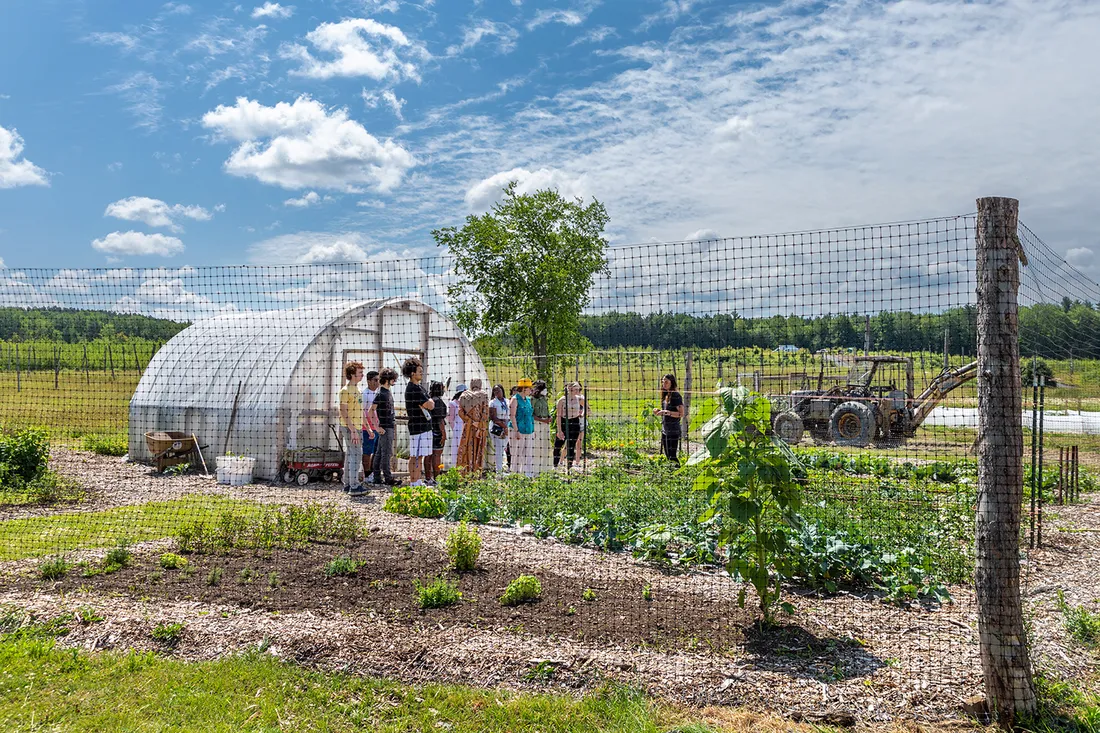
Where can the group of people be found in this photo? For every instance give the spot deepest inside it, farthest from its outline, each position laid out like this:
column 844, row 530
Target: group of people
column 520, row 427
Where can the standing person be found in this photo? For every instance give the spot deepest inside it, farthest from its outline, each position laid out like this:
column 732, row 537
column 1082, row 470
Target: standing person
column 387, row 428
column 370, row 423
column 351, row 427
column 569, row 415
column 672, row 410
column 418, row 407
column 455, row 423
column 498, row 425
column 540, row 408
column 433, row 465
column 523, row 430
column 473, row 408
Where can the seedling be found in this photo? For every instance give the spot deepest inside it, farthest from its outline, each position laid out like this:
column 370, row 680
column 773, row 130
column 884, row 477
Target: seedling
column 588, row 595
column 246, row 576
column 53, row 568
column 437, row 594
column 88, row 616
column 117, row 557
column 172, row 561
column 342, row 565
column 168, row 634
column 214, row 576
column 647, row 592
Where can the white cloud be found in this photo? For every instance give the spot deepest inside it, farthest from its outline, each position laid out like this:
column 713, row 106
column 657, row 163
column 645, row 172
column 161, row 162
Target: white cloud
column 304, row 202
column 115, row 166
column 155, row 212
column 177, row 9
column 702, row 235
column 505, row 34
column 485, row 193
column 360, row 47
column 304, row 145
column 391, row 100
column 142, row 93
column 313, row 247
column 14, row 170
column 2, row 265
column 734, row 128
column 565, row 17
column 273, row 10
column 125, row 41
column 596, row 35
column 1081, row 257
column 138, row 243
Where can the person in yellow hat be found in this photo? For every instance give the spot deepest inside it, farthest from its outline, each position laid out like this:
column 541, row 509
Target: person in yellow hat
column 523, row 429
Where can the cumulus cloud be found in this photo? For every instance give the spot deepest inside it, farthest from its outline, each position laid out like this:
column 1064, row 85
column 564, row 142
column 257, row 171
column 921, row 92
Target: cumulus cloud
column 702, row 235
column 485, row 193
column 155, row 212
column 304, row 145
column 138, row 243
column 1082, row 258
column 734, row 128
column 304, row 202
column 314, row 247
column 505, row 35
column 273, row 10
column 15, row 170
column 358, row 47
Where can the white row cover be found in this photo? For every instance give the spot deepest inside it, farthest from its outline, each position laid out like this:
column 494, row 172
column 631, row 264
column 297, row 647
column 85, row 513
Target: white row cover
column 284, row 370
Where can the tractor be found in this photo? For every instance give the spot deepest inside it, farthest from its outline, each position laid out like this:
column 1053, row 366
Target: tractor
column 861, row 411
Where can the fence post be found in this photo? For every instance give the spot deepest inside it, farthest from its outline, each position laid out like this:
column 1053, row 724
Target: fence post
column 685, row 429
column 1006, row 665
column 56, row 365
column 111, row 359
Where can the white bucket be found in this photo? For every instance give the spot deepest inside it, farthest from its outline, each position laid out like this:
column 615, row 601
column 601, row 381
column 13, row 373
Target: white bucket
column 235, row 470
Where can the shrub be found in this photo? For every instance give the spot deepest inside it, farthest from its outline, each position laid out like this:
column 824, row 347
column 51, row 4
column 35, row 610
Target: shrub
column 342, row 565
column 437, row 594
column 172, row 561
column 416, row 501
column 23, row 455
column 521, row 590
column 168, row 634
column 53, row 568
column 463, row 547
column 110, row 444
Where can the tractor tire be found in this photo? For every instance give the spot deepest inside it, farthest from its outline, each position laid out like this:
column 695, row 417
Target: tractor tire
column 852, row 423
column 789, row 427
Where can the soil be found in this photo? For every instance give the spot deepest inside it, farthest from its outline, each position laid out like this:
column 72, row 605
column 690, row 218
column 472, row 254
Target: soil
column 843, row 654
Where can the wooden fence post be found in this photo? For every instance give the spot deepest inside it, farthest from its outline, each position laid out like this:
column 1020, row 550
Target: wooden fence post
column 685, row 428
column 111, row 359
column 1006, row 664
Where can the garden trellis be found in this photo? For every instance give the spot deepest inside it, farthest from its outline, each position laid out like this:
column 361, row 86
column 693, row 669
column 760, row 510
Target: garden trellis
column 844, row 332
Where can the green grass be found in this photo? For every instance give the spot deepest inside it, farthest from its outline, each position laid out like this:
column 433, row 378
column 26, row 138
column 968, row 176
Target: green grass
column 1064, row 707
column 45, row 687
column 59, row 533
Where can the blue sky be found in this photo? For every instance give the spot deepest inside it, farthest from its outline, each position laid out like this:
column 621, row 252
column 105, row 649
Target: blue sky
column 148, row 135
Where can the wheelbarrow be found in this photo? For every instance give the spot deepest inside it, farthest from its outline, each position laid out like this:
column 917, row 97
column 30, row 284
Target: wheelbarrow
column 170, row 447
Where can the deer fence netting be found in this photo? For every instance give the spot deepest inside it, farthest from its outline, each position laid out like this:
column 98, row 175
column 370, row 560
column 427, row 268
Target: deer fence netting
column 779, row 427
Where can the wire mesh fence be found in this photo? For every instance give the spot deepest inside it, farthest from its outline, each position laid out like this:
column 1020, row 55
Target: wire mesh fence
column 303, row 442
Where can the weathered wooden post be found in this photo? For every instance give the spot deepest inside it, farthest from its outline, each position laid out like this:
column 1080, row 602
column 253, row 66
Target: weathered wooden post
column 1006, row 665
column 685, row 428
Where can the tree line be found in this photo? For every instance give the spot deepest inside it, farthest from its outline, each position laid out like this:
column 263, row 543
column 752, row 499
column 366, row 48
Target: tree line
column 1068, row 330
column 73, row 326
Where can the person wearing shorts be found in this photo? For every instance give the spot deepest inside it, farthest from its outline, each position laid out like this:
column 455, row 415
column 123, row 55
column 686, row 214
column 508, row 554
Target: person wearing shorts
column 418, row 406
column 370, row 422
column 433, row 467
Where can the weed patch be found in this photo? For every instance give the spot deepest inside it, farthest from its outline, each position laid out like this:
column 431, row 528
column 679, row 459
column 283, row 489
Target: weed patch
column 437, row 593
column 342, row 566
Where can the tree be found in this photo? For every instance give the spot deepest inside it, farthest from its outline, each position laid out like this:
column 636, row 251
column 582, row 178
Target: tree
column 526, row 267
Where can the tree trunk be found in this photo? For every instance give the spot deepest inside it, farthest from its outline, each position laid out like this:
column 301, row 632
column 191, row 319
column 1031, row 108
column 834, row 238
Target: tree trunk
column 542, row 360
column 1006, row 665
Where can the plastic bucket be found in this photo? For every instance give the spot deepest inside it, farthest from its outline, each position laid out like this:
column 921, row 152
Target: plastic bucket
column 235, row 470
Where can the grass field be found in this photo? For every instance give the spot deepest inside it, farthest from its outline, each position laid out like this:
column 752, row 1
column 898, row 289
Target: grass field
column 61, row 533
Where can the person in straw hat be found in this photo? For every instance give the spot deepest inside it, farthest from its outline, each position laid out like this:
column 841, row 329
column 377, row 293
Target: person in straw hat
column 523, row 429
column 473, row 409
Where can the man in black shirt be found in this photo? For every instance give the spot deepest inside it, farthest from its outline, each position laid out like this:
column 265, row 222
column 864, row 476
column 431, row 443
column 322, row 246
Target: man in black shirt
column 418, row 407
column 387, row 428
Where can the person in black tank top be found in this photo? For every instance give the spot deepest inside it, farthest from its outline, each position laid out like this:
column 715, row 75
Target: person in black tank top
column 671, row 413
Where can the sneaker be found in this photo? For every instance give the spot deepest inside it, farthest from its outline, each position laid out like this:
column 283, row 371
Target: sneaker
column 357, row 491
column 377, row 481
column 391, row 481
column 345, row 489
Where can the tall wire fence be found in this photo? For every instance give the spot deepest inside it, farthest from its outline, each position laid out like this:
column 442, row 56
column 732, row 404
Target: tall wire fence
column 199, row 427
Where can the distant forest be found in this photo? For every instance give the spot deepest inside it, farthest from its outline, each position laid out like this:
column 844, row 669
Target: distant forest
column 1071, row 329
column 72, row 326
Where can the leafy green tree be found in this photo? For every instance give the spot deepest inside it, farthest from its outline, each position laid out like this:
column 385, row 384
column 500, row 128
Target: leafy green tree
column 526, row 267
column 751, row 484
